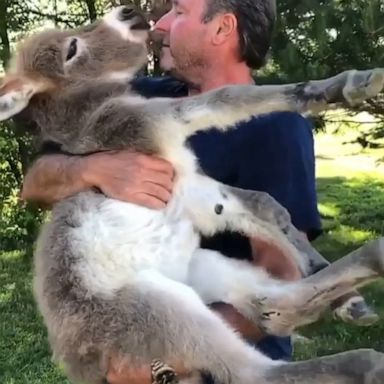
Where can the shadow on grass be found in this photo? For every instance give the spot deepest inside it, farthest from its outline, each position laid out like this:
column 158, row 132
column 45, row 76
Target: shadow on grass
column 323, row 157
column 352, row 212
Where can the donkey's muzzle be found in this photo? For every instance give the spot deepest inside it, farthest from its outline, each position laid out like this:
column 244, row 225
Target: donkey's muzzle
column 127, row 13
column 136, row 19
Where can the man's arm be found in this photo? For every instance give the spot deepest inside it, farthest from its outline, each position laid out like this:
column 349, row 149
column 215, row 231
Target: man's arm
column 53, row 178
column 123, row 175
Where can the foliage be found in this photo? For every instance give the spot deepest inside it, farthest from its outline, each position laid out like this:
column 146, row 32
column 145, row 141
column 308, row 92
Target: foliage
column 19, row 222
column 319, row 38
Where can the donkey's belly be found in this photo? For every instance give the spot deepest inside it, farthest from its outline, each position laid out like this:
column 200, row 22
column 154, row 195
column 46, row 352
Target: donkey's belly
column 118, row 240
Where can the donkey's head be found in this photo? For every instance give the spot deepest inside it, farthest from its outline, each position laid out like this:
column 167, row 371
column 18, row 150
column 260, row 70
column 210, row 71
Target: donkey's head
column 50, row 61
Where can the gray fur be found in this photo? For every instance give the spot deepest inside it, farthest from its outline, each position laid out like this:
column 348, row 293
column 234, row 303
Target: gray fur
column 153, row 316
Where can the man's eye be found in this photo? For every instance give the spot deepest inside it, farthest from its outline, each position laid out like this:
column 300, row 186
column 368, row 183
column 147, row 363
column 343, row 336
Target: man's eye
column 72, row 50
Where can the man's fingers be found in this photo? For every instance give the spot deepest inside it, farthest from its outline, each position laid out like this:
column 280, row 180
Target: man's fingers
column 149, row 201
column 121, row 373
column 157, row 191
column 157, row 164
column 135, row 178
column 161, row 179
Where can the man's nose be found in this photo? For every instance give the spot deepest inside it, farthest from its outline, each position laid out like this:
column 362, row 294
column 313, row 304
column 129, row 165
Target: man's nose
column 164, row 23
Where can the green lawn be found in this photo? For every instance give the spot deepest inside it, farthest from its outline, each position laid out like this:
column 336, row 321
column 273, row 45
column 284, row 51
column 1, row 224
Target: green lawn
column 350, row 186
column 351, row 193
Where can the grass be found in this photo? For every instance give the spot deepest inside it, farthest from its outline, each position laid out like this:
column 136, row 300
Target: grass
column 351, row 195
column 350, row 185
column 24, row 353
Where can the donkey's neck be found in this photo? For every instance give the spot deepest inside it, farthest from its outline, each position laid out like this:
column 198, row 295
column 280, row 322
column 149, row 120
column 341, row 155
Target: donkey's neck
column 61, row 114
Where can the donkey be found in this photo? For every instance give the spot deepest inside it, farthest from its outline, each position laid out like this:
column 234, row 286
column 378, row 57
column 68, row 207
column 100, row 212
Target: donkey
column 115, row 279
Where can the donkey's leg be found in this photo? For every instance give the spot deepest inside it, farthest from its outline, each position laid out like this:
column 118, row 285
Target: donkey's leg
column 291, row 305
column 213, row 208
column 277, row 306
column 305, row 300
column 351, row 307
column 155, row 319
column 217, row 278
column 224, row 107
column 196, row 336
column 362, row 366
column 163, row 125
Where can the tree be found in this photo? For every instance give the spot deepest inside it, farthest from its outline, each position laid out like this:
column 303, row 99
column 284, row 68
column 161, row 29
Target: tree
column 319, row 38
column 13, row 151
column 18, row 17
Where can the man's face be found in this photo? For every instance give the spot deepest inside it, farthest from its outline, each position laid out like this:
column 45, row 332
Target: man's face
column 185, row 38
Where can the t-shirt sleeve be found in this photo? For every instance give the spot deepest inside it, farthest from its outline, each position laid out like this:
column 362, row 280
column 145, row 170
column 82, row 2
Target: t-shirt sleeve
column 161, row 86
column 277, row 156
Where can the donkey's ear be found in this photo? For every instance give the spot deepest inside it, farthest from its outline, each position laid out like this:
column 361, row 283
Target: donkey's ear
column 16, row 92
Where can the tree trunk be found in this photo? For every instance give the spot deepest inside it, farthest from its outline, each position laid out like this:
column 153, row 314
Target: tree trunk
column 6, row 51
column 91, row 10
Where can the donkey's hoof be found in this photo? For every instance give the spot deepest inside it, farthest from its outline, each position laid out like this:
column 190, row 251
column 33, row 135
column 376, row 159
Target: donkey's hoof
column 363, row 85
column 376, row 82
column 356, row 312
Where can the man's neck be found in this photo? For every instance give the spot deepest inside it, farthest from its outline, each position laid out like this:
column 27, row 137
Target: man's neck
column 216, row 77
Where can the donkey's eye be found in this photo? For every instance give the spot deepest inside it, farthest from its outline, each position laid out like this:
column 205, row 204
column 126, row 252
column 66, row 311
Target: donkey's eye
column 72, row 50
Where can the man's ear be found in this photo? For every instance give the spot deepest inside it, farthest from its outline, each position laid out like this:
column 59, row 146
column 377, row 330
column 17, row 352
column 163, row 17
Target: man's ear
column 16, row 92
column 226, row 28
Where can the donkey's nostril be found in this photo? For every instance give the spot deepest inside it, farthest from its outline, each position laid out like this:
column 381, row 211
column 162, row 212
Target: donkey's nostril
column 127, row 13
column 135, row 20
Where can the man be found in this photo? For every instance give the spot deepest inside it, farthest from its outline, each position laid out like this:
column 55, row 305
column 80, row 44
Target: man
column 207, row 44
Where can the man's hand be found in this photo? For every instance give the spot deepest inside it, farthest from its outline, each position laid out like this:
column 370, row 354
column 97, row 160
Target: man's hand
column 124, row 175
column 276, row 263
column 125, row 374
column 131, row 177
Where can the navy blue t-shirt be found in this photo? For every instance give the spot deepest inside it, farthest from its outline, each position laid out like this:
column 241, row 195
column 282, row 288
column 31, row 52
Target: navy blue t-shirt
column 273, row 153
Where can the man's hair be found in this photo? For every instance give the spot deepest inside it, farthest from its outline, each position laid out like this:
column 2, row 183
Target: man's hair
column 255, row 20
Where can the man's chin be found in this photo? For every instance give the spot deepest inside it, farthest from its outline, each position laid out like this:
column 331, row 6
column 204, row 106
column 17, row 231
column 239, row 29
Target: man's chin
column 166, row 61
column 172, row 72
column 167, row 65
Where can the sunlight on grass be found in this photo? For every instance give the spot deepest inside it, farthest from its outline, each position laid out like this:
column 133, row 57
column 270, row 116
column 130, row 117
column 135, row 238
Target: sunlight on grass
column 328, row 209
column 14, row 255
column 6, row 292
column 345, row 234
column 351, row 202
column 337, row 156
column 357, row 168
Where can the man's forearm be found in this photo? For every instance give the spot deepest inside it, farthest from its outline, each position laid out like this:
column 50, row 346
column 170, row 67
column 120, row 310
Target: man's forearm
column 53, row 178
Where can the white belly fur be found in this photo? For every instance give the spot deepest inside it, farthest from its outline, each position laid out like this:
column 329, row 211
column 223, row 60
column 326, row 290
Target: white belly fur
column 118, row 240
